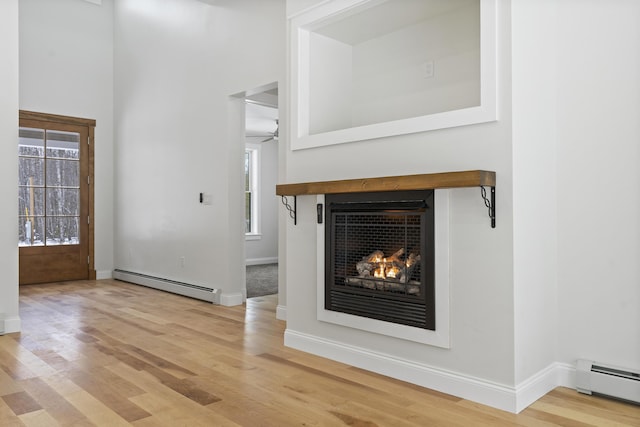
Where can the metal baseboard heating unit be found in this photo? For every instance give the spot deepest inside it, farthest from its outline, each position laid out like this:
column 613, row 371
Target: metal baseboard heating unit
column 180, row 288
column 610, row 381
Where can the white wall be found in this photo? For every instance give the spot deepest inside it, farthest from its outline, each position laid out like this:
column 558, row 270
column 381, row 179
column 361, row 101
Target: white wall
column 330, row 83
column 557, row 280
column 576, row 175
column 177, row 64
column 265, row 249
column 576, row 149
column 66, row 67
column 454, row 83
column 598, row 172
column 481, row 273
column 534, row 186
column 9, row 169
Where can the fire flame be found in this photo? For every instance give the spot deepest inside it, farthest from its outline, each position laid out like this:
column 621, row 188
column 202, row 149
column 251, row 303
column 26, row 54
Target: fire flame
column 379, row 273
column 392, row 272
column 383, row 272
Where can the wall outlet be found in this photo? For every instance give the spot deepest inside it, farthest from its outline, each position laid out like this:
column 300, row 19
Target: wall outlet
column 182, row 261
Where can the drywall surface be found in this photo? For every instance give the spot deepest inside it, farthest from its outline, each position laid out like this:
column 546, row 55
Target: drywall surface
column 481, row 264
column 534, row 187
column 576, row 239
column 66, row 68
column 598, row 155
column 178, row 62
column 9, row 169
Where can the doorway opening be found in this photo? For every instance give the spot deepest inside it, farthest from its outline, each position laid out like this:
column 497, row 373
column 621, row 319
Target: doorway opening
column 261, row 141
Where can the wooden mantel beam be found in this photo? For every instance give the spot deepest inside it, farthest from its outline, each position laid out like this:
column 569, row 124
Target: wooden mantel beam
column 474, row 178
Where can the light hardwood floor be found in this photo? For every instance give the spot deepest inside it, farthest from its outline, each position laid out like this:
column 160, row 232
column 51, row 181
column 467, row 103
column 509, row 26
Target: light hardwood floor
column 109, row 353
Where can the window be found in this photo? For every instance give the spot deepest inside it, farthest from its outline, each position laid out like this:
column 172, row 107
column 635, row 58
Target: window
column 49, row 187
column 251, row 160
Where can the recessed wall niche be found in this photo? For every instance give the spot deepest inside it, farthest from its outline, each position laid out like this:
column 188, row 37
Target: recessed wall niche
column 364, row 69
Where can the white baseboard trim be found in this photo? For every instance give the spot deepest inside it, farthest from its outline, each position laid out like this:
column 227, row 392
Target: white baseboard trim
column 104, row 274
column 500, row 396
column 11, row 325
column 261, row 261
column 470, row 388
column 231, row 299
column 541, row 383
column 281, row 312
column 566, row 375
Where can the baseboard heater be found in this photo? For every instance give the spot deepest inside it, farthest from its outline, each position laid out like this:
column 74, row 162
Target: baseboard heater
column 180, row 288
column 599, row 379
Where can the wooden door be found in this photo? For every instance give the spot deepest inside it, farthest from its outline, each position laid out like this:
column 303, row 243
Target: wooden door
column 55, row 198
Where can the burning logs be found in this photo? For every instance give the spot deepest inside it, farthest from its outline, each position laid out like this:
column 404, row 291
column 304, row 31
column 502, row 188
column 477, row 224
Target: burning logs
column 394, row 272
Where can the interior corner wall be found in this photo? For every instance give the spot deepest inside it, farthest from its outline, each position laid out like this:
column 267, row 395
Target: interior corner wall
column 178, row 62
column 598, row 169
column 66, row 68
column 576, row 237
column 534, row 186
column 9, row 170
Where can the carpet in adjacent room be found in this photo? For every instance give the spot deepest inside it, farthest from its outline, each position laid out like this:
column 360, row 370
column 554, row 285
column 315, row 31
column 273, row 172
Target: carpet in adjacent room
column 262, row 280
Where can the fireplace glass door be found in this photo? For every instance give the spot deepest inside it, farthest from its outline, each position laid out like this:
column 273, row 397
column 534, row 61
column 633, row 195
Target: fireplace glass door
column 379, row 260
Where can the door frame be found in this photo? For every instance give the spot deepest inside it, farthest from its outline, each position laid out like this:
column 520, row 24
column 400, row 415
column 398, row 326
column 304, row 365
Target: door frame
column 90, row 124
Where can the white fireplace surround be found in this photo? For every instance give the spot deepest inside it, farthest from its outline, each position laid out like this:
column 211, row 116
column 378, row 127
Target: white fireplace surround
column 440, row 337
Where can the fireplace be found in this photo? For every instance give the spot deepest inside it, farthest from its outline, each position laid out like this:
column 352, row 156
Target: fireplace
column 425, row 195
column 380, row 256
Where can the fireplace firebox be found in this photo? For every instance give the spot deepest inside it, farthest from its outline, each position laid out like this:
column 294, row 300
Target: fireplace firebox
column 380, row 257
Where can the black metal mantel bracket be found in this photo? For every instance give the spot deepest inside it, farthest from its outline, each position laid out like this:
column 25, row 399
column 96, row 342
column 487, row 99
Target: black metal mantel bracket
column 292, row 210
column 490, row 203
column 447, row 180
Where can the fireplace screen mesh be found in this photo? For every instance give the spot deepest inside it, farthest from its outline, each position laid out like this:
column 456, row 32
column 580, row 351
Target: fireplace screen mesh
column 372, row 251
column 379, row 257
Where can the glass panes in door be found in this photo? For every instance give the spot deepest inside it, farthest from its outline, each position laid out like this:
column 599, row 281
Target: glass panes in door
column 48, row 187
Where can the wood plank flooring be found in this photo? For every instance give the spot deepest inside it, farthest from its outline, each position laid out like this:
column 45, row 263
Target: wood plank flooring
column 108, row 353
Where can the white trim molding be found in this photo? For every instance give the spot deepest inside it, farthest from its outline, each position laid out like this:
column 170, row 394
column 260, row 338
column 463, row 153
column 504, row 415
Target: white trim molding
column 11, row 325
column 262, row 261
column 232, row 299
column 308, row 22
column 533, row 388
column 485, row 392
column 438, row 338
column 104, row 274
column 478, row 390
column 281, row 312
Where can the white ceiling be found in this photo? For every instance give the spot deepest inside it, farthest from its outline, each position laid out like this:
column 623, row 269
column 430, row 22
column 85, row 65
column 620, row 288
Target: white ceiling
column 268, row 97
column 260, row 119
